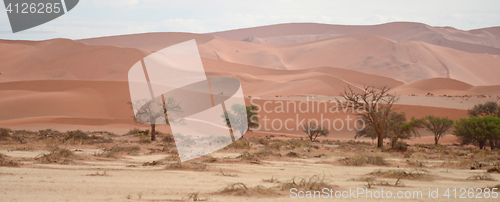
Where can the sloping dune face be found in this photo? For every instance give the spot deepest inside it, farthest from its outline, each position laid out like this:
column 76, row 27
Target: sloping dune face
column 323, row 81
column 485, row 40
column 402, row 51
column 148, row 41
column 67, row 82
column 406, row 61
column 64, row 59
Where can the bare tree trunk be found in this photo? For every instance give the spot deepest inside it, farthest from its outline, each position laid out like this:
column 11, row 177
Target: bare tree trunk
column 481, row 144
column 436, row 139
column 153, row 132
column 393, row 142
column 380, row 143
column 492, row 144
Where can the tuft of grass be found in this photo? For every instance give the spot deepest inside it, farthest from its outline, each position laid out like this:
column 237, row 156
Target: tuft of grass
column 290, row 144
column 144, row 139
column 264, row 153
column 486, row 177
column 76, row 135
column 240, row 189
column 194, row 197
column 292, row 154
column 136, row 131
column 240, row 144
column 195, row 166
column 372, row 181
column 210, row 159
column 400, row 146
column 169, row 138
column 61, row 156
column 98, row 174
column 497, row 188
column 313, row 183
column 154, row 163
column 360, row 159
column 245, row 156
column 495, row 169
column 113, row 151
column 227, row 174
column 415, row 174
column 49, row 134
column 4, row 161
column 272, row 180
column 5, row 133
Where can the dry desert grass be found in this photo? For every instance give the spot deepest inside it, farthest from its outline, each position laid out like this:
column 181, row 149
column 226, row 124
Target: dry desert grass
column 253, row 168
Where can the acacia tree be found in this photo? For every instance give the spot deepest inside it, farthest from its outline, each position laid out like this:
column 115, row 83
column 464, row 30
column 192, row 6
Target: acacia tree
column 396, row 128
column 437, row 125
column 313, row 131
column 242, row 115
column 477, row 130
column 488, row 108
column 399, row 128
column 373, row 105
column 155, row 111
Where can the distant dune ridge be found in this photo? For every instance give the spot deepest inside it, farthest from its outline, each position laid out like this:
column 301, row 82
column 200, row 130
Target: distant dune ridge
column 84, row 82
column 403, row 50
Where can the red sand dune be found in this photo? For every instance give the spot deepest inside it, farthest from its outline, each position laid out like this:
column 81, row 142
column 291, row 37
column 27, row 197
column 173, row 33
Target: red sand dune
column 148, row 41
column 485, row 40
column 406, row 60
column 64, row 59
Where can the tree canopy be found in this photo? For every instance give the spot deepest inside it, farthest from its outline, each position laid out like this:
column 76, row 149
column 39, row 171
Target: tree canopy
column 478, row 130
column 437, row 125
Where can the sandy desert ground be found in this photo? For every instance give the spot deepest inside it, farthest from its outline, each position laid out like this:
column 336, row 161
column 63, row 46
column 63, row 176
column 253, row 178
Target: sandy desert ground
column 119, row 168
column 68, row 85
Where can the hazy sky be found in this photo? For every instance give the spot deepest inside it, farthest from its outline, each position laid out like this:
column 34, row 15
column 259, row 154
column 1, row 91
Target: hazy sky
column 94, row 18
